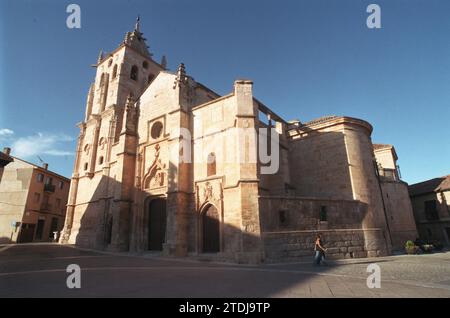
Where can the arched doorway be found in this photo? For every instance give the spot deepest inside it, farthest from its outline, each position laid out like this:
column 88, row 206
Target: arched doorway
column 156, row 224
column 211, row 230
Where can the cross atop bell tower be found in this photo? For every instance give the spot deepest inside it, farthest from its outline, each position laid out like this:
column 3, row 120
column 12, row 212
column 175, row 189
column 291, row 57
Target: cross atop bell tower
column 136, row 40
column 137, row 25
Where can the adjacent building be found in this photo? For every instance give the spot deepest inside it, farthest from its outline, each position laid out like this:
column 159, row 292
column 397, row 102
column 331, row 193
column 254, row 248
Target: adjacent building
column 164, row 163
column 430, row 200
column 396, row 202
column 33, row 203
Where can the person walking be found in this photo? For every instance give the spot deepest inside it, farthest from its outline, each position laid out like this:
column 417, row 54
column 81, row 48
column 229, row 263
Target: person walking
column 319, row 250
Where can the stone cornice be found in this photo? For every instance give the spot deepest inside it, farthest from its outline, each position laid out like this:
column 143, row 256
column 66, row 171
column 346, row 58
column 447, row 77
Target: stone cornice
column 317, row 126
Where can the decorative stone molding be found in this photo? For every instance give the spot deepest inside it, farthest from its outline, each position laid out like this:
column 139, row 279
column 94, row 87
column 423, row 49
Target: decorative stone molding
column 156, row 176
column 209, row 191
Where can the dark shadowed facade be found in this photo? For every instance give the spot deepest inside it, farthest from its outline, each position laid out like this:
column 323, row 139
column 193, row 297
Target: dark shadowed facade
column 430, row 200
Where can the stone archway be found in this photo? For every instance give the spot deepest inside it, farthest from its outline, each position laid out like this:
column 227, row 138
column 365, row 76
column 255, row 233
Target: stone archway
column 156, row 224
column 210, row 230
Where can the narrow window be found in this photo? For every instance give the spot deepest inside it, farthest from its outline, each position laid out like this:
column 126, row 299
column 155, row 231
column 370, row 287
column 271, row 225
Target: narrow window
column 282, row 218
column 211, row 165
column 323, row 213
column 114, row 73
column 102, row 79
column 61, row 185
column 134, row 73
column 40, row 177
column 85, row 166
column 49, row 181
column 145, row 64
column 100, row 160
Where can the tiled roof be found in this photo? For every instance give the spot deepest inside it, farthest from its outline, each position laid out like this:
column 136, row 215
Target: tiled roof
column 445, row 185
column 429, row 186
column 319, row 120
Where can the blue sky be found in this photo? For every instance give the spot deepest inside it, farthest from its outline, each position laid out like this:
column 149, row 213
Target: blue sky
column 307, row 59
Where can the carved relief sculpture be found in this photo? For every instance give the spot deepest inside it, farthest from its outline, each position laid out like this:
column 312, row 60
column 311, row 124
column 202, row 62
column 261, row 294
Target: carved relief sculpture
column 156, row 174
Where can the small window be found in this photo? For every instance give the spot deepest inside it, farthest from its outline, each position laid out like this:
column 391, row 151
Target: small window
column 85, row 166
column 282, row 217
column 134, row 73
column 58, row 203
column 40, row 177
column 49, row 181
column 211, row 165
column 114, row 72
column 156, row 130
column 102, row 143
column 61, row 185
column 145, row 64
column 37, row 197
column 100, row 160
column 110, row 62
column 102, row 79
column 323, row 213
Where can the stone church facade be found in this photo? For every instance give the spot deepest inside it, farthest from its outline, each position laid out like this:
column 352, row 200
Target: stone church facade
column 140, row 182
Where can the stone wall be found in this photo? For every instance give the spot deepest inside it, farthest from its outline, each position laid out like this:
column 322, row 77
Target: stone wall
column 13, row 196
column 289, row 226
column 399, row 213
column 292, row 245
column 319, row 165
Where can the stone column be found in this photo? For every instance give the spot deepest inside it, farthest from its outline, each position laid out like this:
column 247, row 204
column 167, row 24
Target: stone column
column 179, row 186
column 179, row 192
column 90, row 101
column 65, row 237
column 93, row 158
column 365, row 186
column 124, row 183
column 252, row 249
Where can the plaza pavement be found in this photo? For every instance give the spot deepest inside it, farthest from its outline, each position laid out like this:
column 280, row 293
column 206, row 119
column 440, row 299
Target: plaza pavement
column 39, row 270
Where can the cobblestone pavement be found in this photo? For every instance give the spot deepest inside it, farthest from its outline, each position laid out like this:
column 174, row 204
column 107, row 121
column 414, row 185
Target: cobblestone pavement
column 39, row 270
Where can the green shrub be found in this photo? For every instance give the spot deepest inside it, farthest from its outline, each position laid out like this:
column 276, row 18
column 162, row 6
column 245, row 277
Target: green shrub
column 409, row 244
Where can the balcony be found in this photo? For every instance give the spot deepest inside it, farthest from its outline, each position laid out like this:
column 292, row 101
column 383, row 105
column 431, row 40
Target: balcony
column 49, row 188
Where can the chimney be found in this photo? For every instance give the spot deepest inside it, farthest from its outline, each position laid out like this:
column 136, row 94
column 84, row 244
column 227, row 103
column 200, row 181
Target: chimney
column 45, row 166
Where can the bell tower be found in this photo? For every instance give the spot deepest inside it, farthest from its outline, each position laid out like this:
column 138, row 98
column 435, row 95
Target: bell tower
column 105, row 155
column 126, row 70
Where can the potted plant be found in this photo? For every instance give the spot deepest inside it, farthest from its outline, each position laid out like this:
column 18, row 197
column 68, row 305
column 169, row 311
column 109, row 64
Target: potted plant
column 427, row 248
column 410, row 247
